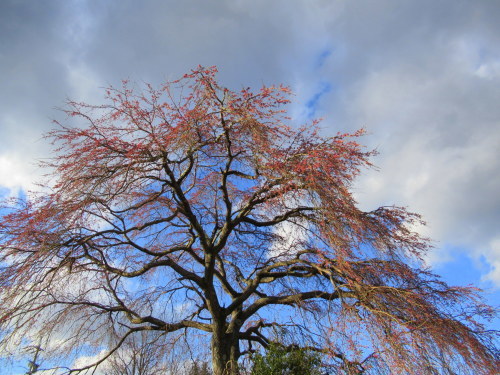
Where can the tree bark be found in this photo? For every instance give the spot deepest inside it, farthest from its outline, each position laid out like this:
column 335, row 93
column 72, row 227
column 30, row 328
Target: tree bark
column 225, row 353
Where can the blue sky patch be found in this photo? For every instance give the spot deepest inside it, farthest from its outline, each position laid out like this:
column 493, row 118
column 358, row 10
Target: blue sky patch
column 312, row 103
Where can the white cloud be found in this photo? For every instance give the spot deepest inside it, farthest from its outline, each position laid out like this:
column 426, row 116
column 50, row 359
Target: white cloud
column 489, row 70
column 438, row 133
column 15, row 174
column 291, row 238
column 84, row 361
column 493, row 256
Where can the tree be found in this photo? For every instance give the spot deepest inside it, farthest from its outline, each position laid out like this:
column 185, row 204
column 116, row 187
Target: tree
column 33, row 364
column 195, row 210
column 279, row 360
column 197, row 369
column 138, row 356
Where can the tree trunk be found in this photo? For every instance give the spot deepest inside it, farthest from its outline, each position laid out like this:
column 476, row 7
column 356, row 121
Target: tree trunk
column 225, row 353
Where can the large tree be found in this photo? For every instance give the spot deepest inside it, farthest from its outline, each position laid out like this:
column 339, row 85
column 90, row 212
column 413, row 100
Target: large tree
column 195, row 210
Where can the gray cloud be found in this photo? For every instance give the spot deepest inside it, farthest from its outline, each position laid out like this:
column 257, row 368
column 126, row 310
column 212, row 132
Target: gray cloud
column 423, row 78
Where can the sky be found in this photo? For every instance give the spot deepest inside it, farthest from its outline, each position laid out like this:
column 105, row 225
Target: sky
column 422, row 77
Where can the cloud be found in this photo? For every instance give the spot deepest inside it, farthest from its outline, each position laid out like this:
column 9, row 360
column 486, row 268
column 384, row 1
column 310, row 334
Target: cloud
column 15, row 175
column 424, row 83
column 290, row 239
column 493, row 256
column 422, row 77
column 438, row 133
column 84, row 361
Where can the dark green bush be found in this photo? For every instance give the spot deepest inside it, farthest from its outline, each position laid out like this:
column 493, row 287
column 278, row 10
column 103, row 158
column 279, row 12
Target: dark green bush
column 279, row 360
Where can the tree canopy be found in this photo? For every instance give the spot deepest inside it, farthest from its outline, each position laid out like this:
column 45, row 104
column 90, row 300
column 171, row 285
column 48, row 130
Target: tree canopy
column 193, row 209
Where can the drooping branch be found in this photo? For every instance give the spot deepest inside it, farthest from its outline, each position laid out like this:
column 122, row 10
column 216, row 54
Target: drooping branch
column 203, row 212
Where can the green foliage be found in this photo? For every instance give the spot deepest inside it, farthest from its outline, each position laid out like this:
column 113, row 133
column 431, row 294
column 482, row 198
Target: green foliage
column 200, row 369
column 280, row 360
